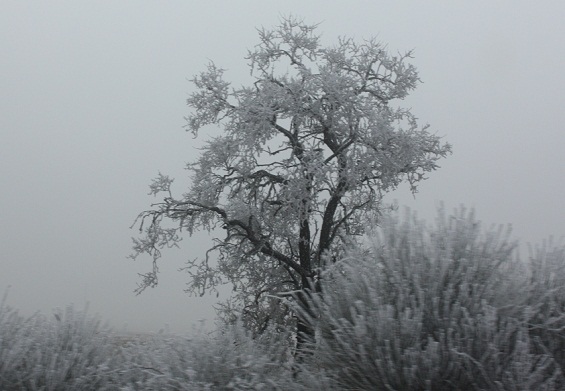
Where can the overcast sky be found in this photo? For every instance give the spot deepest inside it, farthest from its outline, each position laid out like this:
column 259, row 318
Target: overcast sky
column 92, row 104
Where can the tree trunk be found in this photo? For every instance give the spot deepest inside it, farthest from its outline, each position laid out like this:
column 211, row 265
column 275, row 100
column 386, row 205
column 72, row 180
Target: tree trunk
column 305, row 333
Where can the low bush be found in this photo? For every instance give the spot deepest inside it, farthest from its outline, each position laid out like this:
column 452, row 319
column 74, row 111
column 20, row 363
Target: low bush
column 69, row 352
column 74, row 352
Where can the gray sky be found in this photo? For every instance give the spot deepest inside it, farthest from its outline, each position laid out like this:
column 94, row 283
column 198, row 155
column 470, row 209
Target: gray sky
column 92, row 104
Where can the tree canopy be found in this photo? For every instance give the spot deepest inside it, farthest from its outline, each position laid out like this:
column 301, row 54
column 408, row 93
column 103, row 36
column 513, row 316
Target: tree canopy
column 305, row 155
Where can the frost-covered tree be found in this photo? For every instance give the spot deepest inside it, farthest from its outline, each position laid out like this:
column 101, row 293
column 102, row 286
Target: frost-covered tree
column 305, row 155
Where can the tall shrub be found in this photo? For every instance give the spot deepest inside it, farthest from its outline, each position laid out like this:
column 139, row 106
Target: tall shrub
column 449, row 307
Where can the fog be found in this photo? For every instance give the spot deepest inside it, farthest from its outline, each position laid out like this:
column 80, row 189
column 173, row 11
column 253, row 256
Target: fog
column 93, row 104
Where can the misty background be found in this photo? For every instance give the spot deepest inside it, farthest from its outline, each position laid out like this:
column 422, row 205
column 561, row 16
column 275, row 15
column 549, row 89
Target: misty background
column 92, row 104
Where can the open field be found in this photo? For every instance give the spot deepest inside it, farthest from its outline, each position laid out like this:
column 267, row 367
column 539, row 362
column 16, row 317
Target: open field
column 444, row 309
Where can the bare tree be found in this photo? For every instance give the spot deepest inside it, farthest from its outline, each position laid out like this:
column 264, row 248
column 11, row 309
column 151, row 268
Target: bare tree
column 306, row 154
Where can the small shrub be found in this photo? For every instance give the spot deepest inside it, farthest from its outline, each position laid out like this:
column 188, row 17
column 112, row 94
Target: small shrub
column 68, row 352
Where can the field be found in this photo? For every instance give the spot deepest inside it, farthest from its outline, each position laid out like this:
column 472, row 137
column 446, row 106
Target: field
column 448, row 308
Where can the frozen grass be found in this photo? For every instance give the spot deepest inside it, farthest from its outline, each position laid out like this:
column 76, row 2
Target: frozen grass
column 74, row 352
column 66, row 352
column 443, row 308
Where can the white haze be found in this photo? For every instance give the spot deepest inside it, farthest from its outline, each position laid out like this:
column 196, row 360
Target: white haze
column 92, row 104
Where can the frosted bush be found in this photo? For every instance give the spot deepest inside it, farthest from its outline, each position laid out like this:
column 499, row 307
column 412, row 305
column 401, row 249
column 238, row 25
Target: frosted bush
column 227, row 359
column 447, row 308
column 67, row 352
column 546, row 299
column 71, row 351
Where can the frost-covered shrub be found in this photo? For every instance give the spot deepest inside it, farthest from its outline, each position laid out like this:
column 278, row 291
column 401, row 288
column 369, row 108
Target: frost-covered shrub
column 448, row 308
column 14, row 333
column 227, row 359
column 68, row 352
column 71, row 351
column 546, row 299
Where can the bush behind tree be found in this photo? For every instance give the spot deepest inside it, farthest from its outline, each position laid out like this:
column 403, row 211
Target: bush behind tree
column 443, row 308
